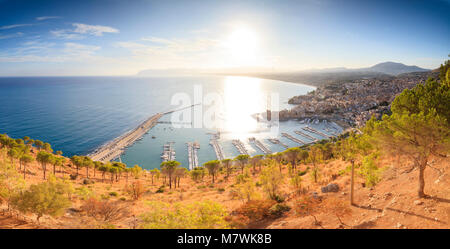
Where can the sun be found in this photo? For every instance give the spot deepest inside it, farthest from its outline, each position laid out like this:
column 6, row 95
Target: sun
column 243, row 46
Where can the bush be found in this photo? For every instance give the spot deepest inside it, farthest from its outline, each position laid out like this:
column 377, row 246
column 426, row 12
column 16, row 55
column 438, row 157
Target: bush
column 88, row 181
column 278, row 198
column 113, row 194
column 136, row 190
column 160, row 189
column 256, row 210
column 221, row 190
column 105, row 211
column 198, row 215
column 302, row 173
column 84, row 193
column 44, row 198
column 278, row 209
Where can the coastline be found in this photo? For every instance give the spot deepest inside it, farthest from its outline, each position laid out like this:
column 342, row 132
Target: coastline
column 116, row 147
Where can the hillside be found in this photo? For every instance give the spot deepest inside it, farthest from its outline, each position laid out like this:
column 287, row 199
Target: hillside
column 392, row 203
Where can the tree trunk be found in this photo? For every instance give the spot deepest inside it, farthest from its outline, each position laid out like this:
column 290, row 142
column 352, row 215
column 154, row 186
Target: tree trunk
column 54, row 169
column 87, row 172
column 352, row 183
column 422, row 167
column 24, row 170
column 44, row 167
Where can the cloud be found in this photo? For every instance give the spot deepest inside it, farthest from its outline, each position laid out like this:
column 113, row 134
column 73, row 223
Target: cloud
column 42, row 18
column 34, row 51
column 76, row 33
column 96, row 30
column 15, row 26
column 66, row 34
column 18, row 34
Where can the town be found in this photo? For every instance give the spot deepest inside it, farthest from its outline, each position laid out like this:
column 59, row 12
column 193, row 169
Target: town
column 351, row 104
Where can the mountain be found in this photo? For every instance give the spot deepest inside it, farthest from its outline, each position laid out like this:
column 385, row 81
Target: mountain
column 393, row 68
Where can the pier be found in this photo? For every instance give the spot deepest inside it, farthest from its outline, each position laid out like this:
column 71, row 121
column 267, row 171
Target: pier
column 261, row 146
column 193, row 155
column 217, row 148
column 168, row 152
column 115, row 148
column 240, row 147
column 307, row 128
column 306, row 135
column 276, row 141
column 293, row 138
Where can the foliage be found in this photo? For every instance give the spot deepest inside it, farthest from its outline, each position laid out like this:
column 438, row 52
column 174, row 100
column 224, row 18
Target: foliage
column 105, row 211
column 417, row 128
column 212, row 167
column 370, row 171
column 136, row 190
column 257, row 210
column 10, row 182
column 46, row 198
column 198, row 215
column 271, row 179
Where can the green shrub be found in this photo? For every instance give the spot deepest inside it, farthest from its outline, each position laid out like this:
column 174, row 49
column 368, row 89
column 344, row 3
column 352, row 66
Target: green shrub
column 160, row 189
column 113, row 194
column 278, row 209
column 198, row 215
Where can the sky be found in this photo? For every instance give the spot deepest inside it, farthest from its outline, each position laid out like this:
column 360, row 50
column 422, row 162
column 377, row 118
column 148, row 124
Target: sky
column 118, row 37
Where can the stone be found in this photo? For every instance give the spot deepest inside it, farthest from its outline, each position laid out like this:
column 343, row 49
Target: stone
column 332, row 187
column 418, row 202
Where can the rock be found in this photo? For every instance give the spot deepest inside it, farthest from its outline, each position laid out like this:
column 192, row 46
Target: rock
column 387, row 195
column 398, row 225
column 332, row 187
column 370, row 195
column 315, row 195
column 418, row 202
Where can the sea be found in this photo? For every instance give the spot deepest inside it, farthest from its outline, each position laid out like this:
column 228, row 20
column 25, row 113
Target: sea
column 78, row 114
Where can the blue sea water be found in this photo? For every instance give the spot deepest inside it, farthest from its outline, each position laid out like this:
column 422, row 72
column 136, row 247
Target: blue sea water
column 78, row 114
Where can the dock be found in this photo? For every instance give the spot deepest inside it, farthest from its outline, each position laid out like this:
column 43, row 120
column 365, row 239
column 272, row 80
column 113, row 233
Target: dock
column 168, row 152
column 240, row 147
column 260, row 146
column 217, row 148
column 115, row 148
column 307, row 128
column 193, row 154
column 276, row 141
column 306, row 135
column 293, row 138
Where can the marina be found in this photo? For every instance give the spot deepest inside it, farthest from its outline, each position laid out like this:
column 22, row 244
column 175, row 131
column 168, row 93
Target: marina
column 277, row 141
column 307, row 128
column 115, row 148
column 240, row 147
column 293, row 138
column 168, row 152
column 193, row 148
column 306, row 135
column 260, row 145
